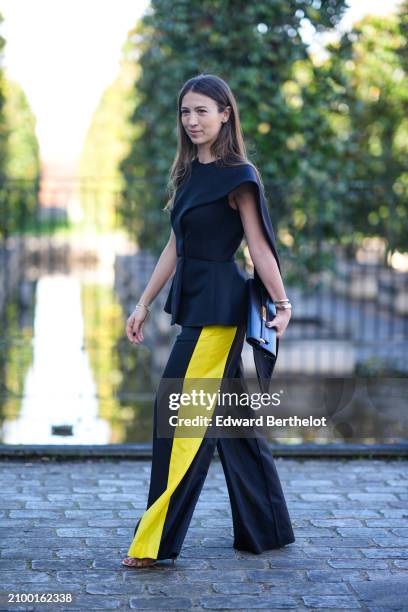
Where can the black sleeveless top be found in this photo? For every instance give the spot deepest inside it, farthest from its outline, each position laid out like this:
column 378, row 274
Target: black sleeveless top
column 208, row 287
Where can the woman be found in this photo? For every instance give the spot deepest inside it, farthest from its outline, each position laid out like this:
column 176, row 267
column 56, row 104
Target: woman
column 217, row 198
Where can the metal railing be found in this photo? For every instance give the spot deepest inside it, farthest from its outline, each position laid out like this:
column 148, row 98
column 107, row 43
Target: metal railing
column 348, row 316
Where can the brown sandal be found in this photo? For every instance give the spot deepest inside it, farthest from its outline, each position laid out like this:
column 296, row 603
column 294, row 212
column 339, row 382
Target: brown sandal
column 145, row 562
column 136, row 562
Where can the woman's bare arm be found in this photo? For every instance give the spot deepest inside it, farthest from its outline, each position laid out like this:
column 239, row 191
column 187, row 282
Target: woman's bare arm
column 164, row 269
column 244, row 199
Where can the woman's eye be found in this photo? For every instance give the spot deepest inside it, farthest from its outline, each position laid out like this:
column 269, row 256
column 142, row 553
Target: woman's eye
column 184, row 112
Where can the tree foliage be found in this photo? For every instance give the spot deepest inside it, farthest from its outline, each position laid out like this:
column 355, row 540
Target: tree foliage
column 3, row 125
column 329, row 137
column 368, row 68
column 251, row 45
column 19, row 156
column 107, row 142
column 23, row 157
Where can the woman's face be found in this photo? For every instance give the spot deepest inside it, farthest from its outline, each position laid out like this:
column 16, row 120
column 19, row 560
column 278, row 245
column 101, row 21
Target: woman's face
column 200, row 118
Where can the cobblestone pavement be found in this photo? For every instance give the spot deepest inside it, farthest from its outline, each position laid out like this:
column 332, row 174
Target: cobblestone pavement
column 66, row 525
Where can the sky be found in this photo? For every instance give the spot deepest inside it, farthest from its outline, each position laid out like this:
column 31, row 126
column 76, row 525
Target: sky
column 64, row 53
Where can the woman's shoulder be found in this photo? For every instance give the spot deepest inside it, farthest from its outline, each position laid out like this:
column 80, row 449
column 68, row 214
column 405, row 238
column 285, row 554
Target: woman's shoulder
column 239, row 174
column 245, row 168
column 217, row 177
column 236, row 170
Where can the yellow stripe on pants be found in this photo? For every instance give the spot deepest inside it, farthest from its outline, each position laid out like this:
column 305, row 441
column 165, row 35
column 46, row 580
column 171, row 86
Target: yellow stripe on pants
column 207, row 361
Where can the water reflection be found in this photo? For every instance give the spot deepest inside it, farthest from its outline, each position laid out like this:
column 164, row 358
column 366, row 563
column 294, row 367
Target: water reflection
column 68, row 374
column 71, row 377
column 60, row 393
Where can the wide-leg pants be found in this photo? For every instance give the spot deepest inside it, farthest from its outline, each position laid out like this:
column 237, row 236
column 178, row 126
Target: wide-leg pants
column 179, row 465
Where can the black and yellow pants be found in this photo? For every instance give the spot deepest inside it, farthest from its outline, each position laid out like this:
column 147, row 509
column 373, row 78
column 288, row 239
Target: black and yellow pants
column 180, row 465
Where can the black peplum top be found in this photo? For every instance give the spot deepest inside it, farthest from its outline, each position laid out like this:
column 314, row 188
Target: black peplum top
column 208, row 287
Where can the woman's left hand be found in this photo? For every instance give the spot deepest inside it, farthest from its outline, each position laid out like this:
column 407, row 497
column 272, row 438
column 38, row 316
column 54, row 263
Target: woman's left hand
column 280, row 321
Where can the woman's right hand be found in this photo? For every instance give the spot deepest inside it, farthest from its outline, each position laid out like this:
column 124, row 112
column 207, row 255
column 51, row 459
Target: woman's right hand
column 134, row 325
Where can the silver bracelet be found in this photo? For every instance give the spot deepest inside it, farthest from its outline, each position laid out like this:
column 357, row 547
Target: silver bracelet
column 284, row 306
column 144, row 305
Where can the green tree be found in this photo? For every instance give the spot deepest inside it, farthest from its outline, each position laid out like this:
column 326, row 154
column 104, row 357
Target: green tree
column 23, row 158
column 255, row 48
column 19, row 156
column 368, row 68
column 107, row 142
column 3, row 125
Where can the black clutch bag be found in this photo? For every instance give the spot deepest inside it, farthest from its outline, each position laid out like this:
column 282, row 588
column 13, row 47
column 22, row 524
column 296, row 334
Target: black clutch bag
column 260, row 310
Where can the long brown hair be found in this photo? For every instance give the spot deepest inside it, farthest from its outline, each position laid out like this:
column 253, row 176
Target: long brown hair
column 229, row 147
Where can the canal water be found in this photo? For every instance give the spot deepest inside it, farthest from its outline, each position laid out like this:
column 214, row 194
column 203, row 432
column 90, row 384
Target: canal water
column 69, row 375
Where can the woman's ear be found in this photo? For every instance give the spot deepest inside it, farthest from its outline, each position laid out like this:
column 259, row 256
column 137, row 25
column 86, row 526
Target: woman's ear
column 227, row 108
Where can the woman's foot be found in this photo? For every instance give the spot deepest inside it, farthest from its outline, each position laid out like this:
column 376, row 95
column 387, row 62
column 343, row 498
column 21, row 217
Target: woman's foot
column 136, row 562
